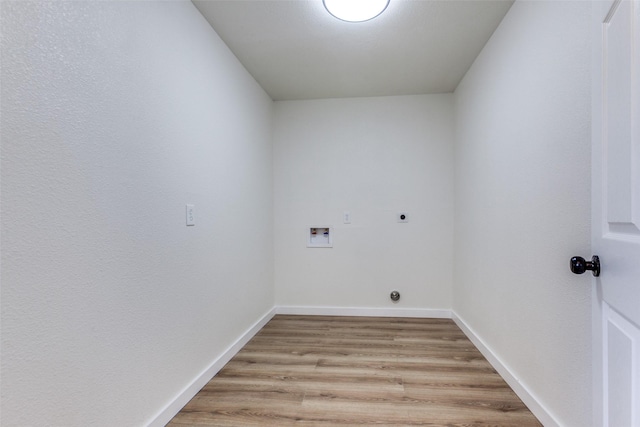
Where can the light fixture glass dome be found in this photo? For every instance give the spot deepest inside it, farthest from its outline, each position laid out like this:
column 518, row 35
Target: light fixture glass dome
column 355, row 10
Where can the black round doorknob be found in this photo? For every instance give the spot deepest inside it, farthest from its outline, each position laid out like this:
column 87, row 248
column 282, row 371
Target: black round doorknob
column 579, row 265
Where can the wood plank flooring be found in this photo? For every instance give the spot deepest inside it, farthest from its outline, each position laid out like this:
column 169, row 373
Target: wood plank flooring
column 325, row 370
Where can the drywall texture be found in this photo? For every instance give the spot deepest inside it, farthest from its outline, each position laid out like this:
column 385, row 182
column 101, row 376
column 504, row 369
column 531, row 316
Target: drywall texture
column 523, row 201
column 114, row 116
column 373, row 158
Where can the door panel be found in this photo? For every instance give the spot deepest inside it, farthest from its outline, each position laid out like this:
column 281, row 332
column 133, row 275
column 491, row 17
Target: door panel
column 617, row 120
column 616, row 212
column 621, row 377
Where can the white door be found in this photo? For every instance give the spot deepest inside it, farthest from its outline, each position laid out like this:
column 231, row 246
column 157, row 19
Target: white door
column 616, row 212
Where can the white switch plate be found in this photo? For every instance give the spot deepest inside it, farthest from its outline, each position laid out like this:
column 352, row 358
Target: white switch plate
column 190, row 215
column 403, row 217
column 346, row 218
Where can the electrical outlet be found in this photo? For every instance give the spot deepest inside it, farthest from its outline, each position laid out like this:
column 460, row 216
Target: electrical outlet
column 190, row 215
column 346, row 218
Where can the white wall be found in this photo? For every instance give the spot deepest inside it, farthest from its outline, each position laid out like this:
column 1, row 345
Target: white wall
column 372, row 157
column 523, row 201
column 117, row 114
column 114, row 116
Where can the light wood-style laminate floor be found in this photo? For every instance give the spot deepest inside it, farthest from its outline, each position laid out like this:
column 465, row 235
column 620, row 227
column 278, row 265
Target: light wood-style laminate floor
column 324, row 370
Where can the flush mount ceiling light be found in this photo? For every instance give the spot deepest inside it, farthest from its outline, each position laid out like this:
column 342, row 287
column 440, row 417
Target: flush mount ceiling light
column 355, row 10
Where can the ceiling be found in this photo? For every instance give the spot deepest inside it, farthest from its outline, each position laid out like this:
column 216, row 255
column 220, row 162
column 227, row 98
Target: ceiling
column 296, row 50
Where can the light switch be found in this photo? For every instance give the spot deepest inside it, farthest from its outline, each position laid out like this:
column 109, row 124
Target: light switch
column 190, row 215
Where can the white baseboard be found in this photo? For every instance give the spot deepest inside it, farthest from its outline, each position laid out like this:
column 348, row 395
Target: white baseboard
column 529, row 399
column 361, row 311
column 184, row 396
